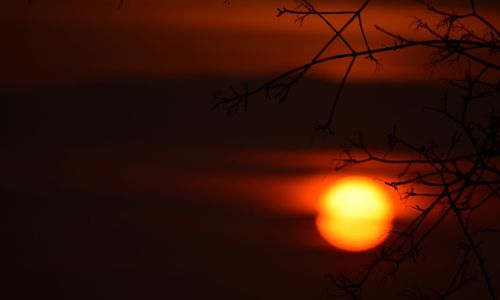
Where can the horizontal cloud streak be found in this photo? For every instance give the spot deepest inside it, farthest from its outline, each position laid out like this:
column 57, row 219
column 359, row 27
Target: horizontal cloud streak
column 53, row 43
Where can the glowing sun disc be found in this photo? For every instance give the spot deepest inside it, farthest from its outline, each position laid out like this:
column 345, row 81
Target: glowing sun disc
column 355, row 214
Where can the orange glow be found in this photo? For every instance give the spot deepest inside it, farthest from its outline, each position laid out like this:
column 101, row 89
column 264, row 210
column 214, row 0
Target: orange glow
column 355, row 214
column 167, row 38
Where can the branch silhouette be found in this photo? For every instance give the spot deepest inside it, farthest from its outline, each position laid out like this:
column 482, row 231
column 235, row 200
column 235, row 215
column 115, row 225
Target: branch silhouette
column 452, row 179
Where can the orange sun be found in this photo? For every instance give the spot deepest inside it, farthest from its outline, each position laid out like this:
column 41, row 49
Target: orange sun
column 355, row 214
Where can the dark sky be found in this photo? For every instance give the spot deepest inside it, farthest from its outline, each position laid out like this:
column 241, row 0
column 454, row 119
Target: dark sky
column 119, row 180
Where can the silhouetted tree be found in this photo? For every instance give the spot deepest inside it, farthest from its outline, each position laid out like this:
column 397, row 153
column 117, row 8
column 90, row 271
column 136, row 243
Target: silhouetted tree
column 453, row 179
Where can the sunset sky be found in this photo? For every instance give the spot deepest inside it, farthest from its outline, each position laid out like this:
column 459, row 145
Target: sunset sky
column 120, row 180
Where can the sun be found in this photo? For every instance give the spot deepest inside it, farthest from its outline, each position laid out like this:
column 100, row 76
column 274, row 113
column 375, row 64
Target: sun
column 355, row 214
